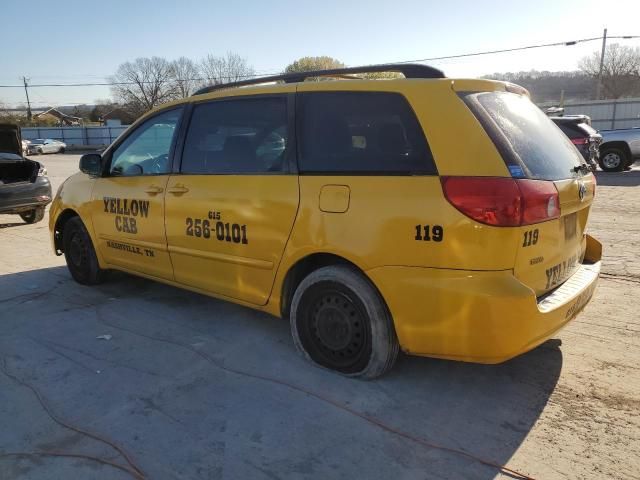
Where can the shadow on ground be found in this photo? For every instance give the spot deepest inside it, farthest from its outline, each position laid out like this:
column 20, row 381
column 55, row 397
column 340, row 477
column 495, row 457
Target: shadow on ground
column 618, row 179
column 183, row 417
column 13, row 224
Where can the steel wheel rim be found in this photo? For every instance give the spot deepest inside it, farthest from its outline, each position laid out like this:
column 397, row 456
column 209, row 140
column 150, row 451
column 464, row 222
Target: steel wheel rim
column 611, row 160
column 334, row 330
column 77, row 251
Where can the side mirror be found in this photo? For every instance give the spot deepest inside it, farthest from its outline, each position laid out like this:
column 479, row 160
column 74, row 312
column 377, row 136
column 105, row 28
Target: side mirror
column 91, row 164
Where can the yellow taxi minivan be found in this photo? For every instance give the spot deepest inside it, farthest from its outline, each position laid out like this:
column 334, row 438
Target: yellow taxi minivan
column 438, row 216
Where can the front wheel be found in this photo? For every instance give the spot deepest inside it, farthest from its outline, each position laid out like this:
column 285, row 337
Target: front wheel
column 340, row 322
column 33, row 216
column 613, row 160
column 80, row 255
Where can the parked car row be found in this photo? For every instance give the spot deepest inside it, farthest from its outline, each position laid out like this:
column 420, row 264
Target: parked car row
column 25, row 189
column 611, row 150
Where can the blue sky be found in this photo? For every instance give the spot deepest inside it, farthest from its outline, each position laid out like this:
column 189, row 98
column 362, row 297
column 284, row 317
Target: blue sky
column 85, row 41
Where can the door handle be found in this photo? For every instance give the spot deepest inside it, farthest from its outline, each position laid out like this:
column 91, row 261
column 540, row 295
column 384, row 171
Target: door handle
column 154, row 189
column 178, row 189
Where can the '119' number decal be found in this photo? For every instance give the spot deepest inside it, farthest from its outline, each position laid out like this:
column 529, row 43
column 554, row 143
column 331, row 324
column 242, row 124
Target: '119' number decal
column 530, row 238
column 428, row 233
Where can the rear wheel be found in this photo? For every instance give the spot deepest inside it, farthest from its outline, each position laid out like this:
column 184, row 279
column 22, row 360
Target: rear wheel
column 61, row 150
column 613, row 160
column 80, row 255
column 33, row 216
column 340, row 322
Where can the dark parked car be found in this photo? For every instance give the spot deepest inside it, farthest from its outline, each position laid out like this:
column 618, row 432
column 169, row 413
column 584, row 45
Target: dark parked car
column 24, row 187
column 586, row 139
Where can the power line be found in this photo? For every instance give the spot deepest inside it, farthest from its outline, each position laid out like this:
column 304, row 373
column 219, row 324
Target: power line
column 429, row 59
column 108, row 84
column 515, row 49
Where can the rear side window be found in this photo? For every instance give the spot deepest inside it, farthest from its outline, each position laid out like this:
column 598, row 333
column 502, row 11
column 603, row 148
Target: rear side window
column 237, row 136
column 571, row 131
column 361, row 133
column 576, row 130
column 528, row 140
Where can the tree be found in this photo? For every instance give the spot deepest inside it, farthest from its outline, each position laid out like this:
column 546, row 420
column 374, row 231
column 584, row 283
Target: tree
column 548, row 86
column 380, row 75
column 620, row 70
column 309, row 64
column 230, row 68
column 144, row 84
column 184, row 73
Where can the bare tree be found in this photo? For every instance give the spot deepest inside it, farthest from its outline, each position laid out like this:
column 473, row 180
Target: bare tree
column 620, row 70
column 143, row 84
column 230, row 68
column 184, row 73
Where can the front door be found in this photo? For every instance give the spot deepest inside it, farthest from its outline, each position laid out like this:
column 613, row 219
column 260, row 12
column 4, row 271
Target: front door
column 127, row 205
column 231, row 209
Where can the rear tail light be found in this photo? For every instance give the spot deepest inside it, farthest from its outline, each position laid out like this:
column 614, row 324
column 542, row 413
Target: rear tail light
column 503, row 201
column 580, row 141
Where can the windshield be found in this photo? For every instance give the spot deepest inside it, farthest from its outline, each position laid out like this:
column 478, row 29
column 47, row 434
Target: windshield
column 532, row 145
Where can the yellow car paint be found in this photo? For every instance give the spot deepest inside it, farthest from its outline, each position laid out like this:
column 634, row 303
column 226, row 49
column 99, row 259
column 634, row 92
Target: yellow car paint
column 472, row 296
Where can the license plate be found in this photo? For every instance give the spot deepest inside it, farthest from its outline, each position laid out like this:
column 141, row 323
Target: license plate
column 570, row 226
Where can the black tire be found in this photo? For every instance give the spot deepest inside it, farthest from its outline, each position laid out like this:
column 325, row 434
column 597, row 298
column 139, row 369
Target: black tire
column 340, row 322
column 62, row 150
column 613, row 160
column 39, row 151
column 33, row 216
column 80, row 254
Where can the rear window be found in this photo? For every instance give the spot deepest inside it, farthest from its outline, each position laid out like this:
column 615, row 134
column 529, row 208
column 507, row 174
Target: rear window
column 531, row 144
column 361, row 133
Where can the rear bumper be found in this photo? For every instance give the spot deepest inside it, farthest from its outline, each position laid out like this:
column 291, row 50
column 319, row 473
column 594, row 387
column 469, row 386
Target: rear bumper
column 484, row 317
column 19, row 197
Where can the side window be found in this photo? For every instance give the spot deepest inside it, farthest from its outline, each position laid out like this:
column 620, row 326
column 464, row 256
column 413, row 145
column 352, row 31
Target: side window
column 360, row 133
column 237, row 136
column 146, row 150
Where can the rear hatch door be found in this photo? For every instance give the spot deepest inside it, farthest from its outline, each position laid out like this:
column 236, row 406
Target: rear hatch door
column 10, row 140
column 535, row 148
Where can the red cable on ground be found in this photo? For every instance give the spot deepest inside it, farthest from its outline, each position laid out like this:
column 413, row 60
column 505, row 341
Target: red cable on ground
column 131, row 472
column 367, row 418
column 136, row 471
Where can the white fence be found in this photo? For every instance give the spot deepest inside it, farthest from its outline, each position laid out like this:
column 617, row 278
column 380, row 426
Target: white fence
column 608, row 114
column 75, row 136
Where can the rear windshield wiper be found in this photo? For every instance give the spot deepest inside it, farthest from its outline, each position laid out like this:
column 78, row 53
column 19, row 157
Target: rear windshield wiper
column 582, row 168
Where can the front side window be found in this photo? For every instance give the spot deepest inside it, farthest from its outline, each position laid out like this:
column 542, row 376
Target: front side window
column 361, row 133
column 238, row 136
column 146, row 151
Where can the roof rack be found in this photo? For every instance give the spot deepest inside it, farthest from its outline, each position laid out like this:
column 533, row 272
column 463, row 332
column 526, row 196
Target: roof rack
column 409, row 70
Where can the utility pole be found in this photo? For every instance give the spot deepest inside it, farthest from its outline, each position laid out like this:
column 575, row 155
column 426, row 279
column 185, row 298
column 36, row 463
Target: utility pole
column 24, row 79
column 604, row 46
